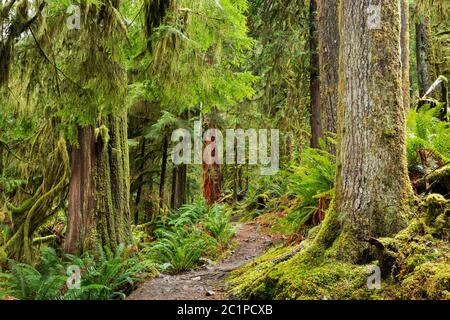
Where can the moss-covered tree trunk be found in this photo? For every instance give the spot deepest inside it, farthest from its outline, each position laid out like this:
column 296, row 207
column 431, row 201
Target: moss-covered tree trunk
column 329, row 66
column 372, row 185
column 99, row 194
column 314, row 81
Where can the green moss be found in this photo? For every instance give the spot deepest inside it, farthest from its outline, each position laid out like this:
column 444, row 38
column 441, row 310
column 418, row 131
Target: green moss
column 390, row 133
column 430, row 280
column 433, row 206
column 414, row 263
column 103, row 133
column 305, row 276
column 3, row 257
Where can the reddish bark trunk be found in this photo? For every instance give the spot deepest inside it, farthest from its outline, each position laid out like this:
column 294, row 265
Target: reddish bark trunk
column 211, row 179
column 82, row 189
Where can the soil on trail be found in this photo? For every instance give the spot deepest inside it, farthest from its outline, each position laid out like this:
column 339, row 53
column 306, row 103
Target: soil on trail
column 207, row 283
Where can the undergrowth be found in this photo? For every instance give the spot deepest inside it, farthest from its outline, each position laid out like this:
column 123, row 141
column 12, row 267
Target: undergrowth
column 428, row 139
column 415, row 264
column 190, row 235
column 110, row 275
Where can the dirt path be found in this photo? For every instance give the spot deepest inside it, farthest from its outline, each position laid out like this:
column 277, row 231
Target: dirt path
column 206, row 283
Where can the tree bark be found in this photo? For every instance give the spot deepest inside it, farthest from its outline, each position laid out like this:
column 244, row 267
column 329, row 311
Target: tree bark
column 329, row 66
column 212, row 178
column 179, row 181
column 404, row 38
column 423, row 56
column 372, row 185
column 140, row 181
column 81, row 208
column 162, row 179
column 316, row 131
column 99, row 192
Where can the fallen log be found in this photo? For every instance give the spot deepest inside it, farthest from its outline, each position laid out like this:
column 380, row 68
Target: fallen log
column 437, row 181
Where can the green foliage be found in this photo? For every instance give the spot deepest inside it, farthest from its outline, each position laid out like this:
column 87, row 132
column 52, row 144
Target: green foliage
column 111, row 275
column 264, row 196
column 296, row 191
column 308, row 182
column 217, row 223
column 193, row 232
column 425, row 132
column 178, row 249
column 10, row 185
column 44, row 282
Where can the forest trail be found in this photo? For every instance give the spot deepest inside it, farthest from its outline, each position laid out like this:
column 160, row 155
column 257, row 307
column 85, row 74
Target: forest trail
column 206, row 283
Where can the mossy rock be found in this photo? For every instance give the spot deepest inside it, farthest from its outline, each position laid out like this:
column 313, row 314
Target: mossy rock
column 433, row 206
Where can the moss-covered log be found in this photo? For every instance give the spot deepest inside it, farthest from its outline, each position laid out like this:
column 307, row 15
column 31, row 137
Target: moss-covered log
column 437, row 181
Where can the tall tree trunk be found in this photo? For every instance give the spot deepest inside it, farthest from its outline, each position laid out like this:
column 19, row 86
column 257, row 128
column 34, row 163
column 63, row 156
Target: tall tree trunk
column 372, row 185
column 81, row 208
column 179, row 181
column 162, row 180
column 235, row 183
column 212, row 177
column 329, row 66
column 140, row 181
column 404, row 38
column 211, row 170
column 99, row 192
column 316, row 131
column 211, row 183
column 424, row 56
column 182, row 185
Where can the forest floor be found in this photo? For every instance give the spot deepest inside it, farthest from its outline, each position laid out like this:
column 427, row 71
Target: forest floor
column 208, row 282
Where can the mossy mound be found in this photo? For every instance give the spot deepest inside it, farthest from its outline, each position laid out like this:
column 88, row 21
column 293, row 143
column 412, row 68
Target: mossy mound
column 299, row 278
column 430, row 280
column 415, row 264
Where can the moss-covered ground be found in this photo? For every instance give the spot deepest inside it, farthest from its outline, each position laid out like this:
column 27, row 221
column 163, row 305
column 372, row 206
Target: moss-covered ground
column 414, row 264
